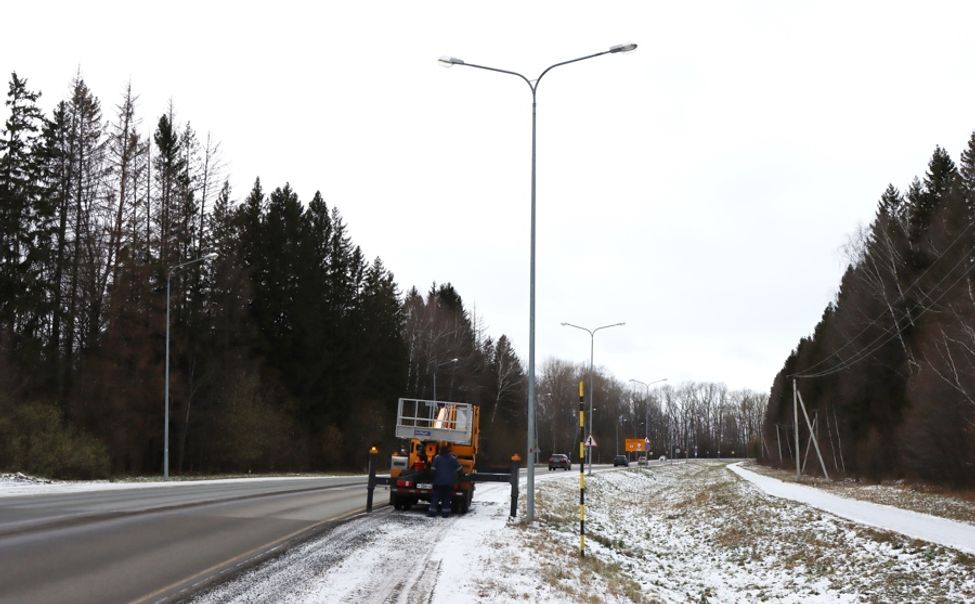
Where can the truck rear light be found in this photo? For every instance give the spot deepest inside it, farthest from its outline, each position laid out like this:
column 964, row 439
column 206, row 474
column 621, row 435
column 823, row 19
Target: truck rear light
column 404, row 483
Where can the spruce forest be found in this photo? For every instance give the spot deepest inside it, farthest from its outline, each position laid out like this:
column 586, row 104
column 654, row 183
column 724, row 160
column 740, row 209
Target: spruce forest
column 888, row 375
column 288, row 346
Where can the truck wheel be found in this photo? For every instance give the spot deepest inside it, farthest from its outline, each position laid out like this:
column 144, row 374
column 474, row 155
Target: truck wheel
column 395, row 502
column 465, row 504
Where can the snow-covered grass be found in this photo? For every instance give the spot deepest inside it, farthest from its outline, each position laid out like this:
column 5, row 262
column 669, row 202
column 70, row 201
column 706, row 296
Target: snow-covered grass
column 698, row 532
column 673, row 533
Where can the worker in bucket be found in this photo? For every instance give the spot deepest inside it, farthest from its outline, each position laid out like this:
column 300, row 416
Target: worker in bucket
column 445, row 467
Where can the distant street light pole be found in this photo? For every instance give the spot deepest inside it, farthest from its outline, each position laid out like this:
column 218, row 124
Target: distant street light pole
column 169, row 277
column 533, row 85
column 435, row 368
column 592, row 340
column 619, row 426
column 646, row 405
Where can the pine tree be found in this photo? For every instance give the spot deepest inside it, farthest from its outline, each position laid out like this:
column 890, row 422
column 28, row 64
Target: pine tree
column 169, row 164
column 20, row 212
column 58, row 174
column 125, row 149
column 86, row 154
column 381, row 349
column 966, row 173
column 509, row 383
column 938, row 181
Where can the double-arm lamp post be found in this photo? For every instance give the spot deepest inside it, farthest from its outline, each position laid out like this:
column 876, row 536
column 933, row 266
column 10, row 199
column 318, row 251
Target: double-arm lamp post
column 533, row 86
column 169, row 278
column 592, row 345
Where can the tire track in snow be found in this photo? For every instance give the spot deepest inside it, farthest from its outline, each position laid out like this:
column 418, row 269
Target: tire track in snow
column 411, row 576
column 384, row 557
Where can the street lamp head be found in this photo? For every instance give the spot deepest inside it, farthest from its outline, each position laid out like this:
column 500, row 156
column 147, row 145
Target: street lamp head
column 446, row 61
column 623, row 48
column 454, row 360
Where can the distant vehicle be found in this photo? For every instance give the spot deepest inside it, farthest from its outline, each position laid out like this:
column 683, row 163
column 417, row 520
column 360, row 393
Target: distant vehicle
column 641, row 460
column 621, row 460
column 559, row 460
column 663, row 458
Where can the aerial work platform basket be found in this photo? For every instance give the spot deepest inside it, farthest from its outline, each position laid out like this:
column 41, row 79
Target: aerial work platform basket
column 435, row 420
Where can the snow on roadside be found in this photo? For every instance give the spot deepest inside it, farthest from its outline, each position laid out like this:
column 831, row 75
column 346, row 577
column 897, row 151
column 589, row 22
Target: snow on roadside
column 12, row 485
column 404, row 557
column 959, row 535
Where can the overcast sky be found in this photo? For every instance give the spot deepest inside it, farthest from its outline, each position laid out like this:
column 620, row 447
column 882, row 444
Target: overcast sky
column 701, row 188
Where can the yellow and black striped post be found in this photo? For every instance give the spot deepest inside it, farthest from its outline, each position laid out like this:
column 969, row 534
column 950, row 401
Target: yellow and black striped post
column 582, row 474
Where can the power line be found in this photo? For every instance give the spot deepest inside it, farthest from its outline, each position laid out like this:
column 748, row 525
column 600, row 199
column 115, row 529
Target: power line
column 876, row 344
column 900, row 298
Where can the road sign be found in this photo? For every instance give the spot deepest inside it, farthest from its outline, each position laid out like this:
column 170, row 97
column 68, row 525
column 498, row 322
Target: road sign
column 591, row 442
column 633, row 445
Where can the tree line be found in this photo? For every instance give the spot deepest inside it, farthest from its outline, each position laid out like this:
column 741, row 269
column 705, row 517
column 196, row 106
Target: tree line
column 697, row 419
column 888, row 374
column 288, row 346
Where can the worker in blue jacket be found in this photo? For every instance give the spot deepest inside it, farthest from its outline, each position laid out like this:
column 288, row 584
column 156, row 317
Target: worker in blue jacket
column 444, row 467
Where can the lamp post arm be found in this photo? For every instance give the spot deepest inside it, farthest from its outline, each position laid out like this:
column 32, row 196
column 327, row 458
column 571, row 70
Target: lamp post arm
column 173, row 269
column 589, row 331
column 551, row 67
column 495, row 69
column 607, row 327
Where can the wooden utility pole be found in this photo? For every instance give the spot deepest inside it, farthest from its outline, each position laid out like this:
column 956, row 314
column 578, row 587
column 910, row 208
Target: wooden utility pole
column 795, row 416
column 812, row 435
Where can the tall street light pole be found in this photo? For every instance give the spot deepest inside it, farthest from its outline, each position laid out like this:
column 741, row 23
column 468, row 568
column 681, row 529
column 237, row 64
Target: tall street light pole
column 533, row 86
column 169, row 278
column 435, row 368
column 592, row 345
column 646, row 405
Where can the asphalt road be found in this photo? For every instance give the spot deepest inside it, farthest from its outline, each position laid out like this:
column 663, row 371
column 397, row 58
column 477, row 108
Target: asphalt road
column 161, row 543
column 158, row 543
